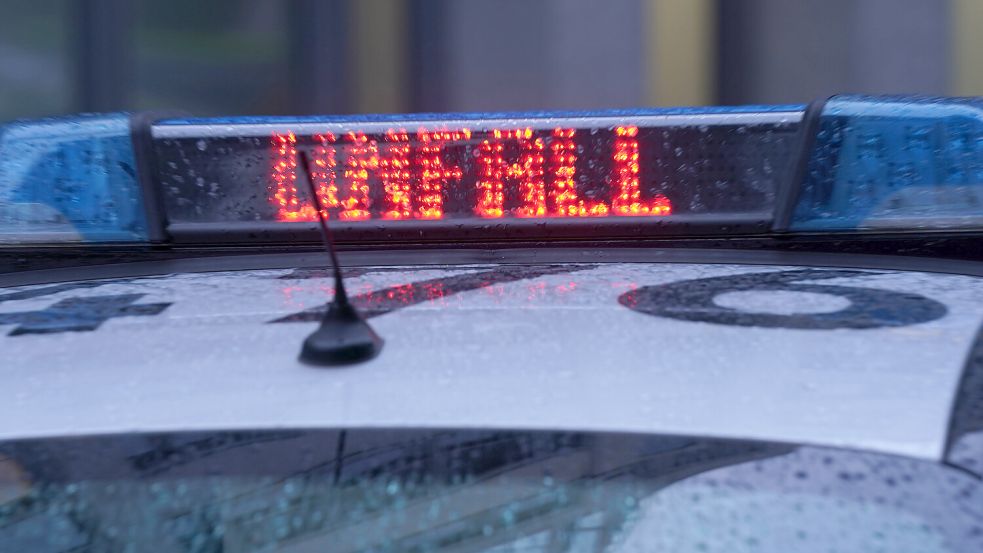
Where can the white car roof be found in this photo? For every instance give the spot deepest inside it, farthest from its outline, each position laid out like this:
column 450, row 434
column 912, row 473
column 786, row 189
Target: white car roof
column 605, row 346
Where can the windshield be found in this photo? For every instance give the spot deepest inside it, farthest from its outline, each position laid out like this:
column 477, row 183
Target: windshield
column 467, row 490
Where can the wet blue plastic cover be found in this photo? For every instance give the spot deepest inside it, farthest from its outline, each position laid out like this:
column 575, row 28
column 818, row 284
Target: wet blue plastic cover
column 894, row 162
column 70, row 180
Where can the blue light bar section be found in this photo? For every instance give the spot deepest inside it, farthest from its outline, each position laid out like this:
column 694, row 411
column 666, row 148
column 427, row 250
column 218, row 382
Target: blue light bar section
column 894, row 163
column 70, row 180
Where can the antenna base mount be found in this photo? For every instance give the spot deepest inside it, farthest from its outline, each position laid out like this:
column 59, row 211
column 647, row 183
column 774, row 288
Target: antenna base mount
column 344, row 338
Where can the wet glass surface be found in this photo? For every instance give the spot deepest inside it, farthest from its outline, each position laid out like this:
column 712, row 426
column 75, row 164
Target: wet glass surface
column 454, row 490
column 71, row 179
column 894, row 162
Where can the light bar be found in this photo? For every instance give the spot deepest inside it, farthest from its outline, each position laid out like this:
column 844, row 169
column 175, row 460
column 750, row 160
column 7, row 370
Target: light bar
column 851, row 163
column 893, row 163
column 412, row 172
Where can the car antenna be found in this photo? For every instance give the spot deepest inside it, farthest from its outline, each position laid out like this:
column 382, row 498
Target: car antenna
column 344, row 337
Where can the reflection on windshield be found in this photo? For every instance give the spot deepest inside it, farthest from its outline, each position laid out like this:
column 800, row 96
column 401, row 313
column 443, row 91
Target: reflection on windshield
column 403, row 490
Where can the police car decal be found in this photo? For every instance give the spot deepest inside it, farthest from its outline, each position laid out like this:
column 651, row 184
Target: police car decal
column 837, row 357
column 697, row 300
column 75, row 314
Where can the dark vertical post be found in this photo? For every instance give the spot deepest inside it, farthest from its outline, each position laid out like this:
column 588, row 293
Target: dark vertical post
column 731, row 52
column 427, row 41
column 318, row 50
column 102, row 54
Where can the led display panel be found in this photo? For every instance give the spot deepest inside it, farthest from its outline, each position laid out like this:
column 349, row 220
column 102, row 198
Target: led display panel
column 474, row 171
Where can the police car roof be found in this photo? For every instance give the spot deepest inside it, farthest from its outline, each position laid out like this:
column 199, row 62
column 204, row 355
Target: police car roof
column 867, row 358
column 770, row 344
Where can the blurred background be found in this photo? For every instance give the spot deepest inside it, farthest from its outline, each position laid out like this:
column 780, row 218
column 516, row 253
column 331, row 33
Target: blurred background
column 233, row 57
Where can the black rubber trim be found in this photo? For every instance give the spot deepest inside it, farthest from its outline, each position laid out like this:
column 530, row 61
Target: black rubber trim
column 471, row 230
column 141, row 135
column 952, row 245
column 967, row 408
column 500, row 256
column 788, row 195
